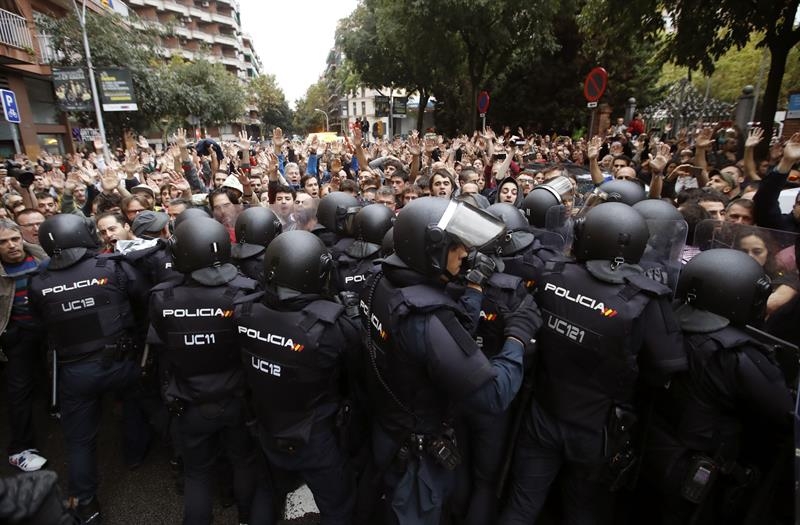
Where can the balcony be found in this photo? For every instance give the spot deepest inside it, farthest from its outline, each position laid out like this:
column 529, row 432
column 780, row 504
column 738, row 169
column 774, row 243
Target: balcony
column 227, row 40
column 14, row 31
column 47, row 53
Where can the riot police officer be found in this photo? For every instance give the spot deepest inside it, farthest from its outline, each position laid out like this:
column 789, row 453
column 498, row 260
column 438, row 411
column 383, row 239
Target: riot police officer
column 336, row 212
column 695, row 456
column 606, row 324
column 421, row 356
column 520, row 250
column 193, row 324
column 353, row 266
column 293, row 347
column 87, row 304
column 255, row 228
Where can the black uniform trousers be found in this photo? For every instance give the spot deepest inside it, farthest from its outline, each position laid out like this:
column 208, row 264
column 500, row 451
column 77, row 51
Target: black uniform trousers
column 205, row 430
column 24, row 349
column 548, row 448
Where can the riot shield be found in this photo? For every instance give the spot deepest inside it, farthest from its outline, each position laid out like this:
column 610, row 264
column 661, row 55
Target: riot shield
column 662, row 256
column 559, row 222
column 774, row 250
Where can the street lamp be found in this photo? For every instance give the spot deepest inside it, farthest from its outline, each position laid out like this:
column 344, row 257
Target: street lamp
column 81, row 14
column 326, row 117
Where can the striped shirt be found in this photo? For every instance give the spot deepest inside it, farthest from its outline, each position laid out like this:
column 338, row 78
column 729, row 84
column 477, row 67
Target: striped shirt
column 20, row 272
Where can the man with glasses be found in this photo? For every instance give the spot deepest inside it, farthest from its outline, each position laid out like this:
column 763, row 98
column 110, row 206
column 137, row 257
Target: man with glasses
column 525, row 183
column 29, row 221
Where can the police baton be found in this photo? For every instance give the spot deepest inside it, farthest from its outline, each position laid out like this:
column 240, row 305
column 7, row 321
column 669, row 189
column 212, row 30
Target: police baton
column 143, row 363
column 54, row 408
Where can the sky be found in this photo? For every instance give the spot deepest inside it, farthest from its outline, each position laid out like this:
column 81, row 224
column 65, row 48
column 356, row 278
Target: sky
column 293, row 38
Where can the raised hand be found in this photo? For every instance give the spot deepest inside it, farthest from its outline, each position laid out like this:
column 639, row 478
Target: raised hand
column 754, row 137
column 413, row 143
column 593, row 150
column 180, row 138
column 791, row 150
column 704, row 140
column 244, row 140
column 178, row 182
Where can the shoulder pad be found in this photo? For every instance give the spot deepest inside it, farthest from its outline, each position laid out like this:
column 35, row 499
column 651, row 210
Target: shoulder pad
column 248, row 298
column 109, row 257
column 244, row 283
column 504, row 281
column 730, row 337
column 326, row 311
column 648, row 285
column 163, row 286
column 425, row 298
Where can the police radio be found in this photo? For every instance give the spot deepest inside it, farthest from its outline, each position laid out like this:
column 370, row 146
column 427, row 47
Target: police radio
column 702, row 474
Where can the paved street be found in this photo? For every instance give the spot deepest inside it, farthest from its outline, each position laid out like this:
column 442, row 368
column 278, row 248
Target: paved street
column 146, row 495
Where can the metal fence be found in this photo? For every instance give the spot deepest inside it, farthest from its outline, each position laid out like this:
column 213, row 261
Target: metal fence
column 14, row 31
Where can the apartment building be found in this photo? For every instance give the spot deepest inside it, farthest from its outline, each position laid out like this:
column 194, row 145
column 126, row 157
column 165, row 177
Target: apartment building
column 208, row 28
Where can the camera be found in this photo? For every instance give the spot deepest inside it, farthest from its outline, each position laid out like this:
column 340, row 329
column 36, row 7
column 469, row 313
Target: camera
column 20, row 172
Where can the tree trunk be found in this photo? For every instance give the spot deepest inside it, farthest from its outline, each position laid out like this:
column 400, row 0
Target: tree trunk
column 473, row 108
column 769, row 102
column 423, row 103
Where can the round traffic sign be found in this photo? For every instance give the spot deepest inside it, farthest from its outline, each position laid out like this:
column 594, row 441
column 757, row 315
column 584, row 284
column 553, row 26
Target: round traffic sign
column 595, row 84
column 483, row 102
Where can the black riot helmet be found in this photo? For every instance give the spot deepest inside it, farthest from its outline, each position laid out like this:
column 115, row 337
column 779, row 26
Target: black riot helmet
column 369, row 227
column 295, row 263
column 200, row 243
column 725, row 282
column 255, row 228
column 336, row 212
column 191, row 213
column 625, row 191
column 657, row 209
column 554, row 192
column 387, row 244
column 610, row 231
column 517, row 237
column 427, row 228
column 66, row 238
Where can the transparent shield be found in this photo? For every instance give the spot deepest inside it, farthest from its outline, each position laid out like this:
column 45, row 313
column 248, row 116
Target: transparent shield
column 475, row 228
column 665, row 246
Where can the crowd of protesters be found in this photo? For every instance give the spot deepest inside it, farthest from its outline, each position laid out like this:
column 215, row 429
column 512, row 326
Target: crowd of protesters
column 710, row 171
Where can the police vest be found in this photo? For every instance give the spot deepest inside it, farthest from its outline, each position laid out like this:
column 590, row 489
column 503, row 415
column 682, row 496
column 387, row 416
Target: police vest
column 529, row 263
column 196, row 325
column 405, row 396
column 704, row 411
column 284, row 369
column 589, row 342
column 502, row 292
column 84, row 307
column 351, row 274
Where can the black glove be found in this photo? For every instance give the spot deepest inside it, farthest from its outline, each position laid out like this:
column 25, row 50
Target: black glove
column 524, row 322
column 478, row 268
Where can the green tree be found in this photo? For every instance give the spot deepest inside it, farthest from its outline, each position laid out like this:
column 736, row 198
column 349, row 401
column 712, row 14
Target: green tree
column 396, row 45
column 306, row 120
column 115, row 42
column 268, row 97
column 200, row 89
column 699, row 33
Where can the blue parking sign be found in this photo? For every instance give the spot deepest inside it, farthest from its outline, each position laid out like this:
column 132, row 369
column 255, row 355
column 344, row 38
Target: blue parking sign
column 10, row 105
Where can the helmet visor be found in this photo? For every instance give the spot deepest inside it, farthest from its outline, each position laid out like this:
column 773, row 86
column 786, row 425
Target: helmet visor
column 472, row 227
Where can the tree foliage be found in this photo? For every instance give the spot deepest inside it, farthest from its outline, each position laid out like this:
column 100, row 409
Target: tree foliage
column 271, row 102
column 166, row 93
column 696, row 34
column 306, row 120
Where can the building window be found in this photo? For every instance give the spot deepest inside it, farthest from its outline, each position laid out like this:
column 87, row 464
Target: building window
column 51, row 143
column 42, row 100
column 355, row 109
column 363, row 108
